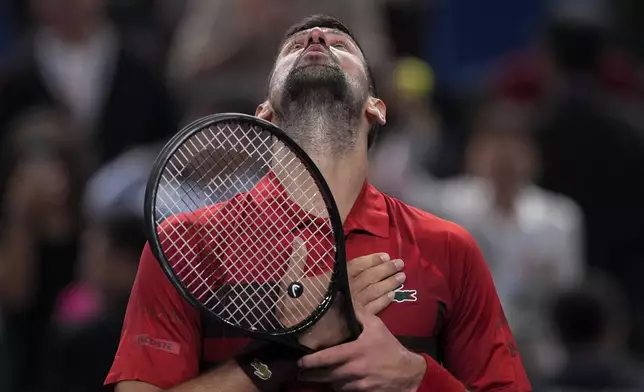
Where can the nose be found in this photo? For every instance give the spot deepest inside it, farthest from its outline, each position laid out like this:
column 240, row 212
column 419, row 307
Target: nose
column 316, row 36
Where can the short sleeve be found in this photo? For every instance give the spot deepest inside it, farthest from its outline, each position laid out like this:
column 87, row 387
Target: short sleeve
column 478, row 346
column 160, row 341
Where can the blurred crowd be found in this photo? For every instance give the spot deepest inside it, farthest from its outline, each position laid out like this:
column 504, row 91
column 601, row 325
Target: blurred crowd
column 519, row 120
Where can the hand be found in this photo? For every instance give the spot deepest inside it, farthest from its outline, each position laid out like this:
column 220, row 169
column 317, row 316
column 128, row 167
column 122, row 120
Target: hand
column 375, row 362
column 372, row 279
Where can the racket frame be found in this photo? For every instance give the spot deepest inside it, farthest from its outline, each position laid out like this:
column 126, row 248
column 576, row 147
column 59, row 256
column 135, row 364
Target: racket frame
column 339, row 278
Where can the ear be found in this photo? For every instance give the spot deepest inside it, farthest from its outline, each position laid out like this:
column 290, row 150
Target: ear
column 265, row 111
column 376, row 111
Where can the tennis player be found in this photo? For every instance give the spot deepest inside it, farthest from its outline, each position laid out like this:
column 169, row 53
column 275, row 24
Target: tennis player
column 431, row 317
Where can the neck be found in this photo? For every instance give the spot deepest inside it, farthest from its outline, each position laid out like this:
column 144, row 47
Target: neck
column 345, row 176
column 321, row 123
column 327, row 128
column 505, row 195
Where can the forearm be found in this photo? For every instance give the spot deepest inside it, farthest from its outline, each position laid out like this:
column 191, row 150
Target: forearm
column 226, row 378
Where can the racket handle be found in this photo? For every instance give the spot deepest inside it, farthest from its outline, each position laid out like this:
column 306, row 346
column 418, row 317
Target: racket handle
column 271, row 367
column 355, row 328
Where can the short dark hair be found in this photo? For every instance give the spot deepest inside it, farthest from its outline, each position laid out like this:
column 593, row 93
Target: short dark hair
column 333, row 23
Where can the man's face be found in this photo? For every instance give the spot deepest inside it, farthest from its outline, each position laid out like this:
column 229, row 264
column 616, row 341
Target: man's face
column 508, row 159
column 67, row 14
column 317, row 60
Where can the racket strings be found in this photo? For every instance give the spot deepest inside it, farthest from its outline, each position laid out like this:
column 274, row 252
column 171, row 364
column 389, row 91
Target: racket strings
column 292, row 318
column 245, row 282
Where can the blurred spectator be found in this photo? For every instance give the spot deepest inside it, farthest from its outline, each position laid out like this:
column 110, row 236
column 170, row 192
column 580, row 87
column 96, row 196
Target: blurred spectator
column 90, row 313
column 412, row 135
column 76, row 61
column 592, row 323
column 594, row 156
column 118, row 187
column 225, row 50
column 531, row 238
column 38, row 238
column 148, row 22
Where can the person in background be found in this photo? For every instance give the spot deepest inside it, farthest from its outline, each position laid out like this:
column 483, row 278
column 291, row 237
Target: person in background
column 90, row 313
column 532, row 239
column 39, row 227
column 413, row 135
column 592, row 322
column 594, row 155
column 77, row 61
column 590, row 132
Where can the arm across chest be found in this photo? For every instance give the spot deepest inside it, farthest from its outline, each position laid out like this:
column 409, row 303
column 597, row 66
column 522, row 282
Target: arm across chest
column 417, row 313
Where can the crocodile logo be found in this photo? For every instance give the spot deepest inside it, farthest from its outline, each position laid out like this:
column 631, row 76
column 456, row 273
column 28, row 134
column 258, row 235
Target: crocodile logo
column 261, row 370
column 401, row 295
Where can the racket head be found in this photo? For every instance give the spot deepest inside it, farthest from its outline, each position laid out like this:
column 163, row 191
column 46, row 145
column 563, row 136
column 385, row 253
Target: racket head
column 337, row 275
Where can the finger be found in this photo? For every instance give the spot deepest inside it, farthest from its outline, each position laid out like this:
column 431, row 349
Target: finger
column 357, row 385
column 337, row 374
column 378, row 305
column 367, row 321
column 362, row 315
column 376, row 290
column 357, row 265
column 330, row 357
column 376, row 274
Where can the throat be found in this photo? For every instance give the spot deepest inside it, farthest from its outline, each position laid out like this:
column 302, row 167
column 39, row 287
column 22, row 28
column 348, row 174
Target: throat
column 345, row 178
column 322, row 128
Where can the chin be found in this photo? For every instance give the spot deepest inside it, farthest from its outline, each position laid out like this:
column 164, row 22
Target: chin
column 315, row 79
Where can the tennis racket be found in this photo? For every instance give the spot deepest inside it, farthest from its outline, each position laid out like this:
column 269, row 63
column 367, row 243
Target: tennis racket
column 245, row 227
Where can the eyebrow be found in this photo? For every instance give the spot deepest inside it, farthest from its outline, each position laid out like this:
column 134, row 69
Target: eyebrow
column 327, row 30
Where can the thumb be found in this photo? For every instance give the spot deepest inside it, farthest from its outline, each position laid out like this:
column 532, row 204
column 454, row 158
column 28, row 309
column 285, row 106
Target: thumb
column 362, row 315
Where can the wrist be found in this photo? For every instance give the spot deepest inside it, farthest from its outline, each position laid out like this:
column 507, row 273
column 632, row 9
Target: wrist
column 270, row 367
column 315, row 340
column 308, row 340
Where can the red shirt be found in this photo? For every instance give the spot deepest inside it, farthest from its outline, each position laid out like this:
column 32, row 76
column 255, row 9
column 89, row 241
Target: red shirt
column 447, row 309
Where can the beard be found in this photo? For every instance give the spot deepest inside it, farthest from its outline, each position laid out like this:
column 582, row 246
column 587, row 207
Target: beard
column 320, row 109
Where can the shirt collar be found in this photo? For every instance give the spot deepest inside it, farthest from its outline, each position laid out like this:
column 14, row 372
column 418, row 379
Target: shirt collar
column 369, row 213
column 270, row 199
